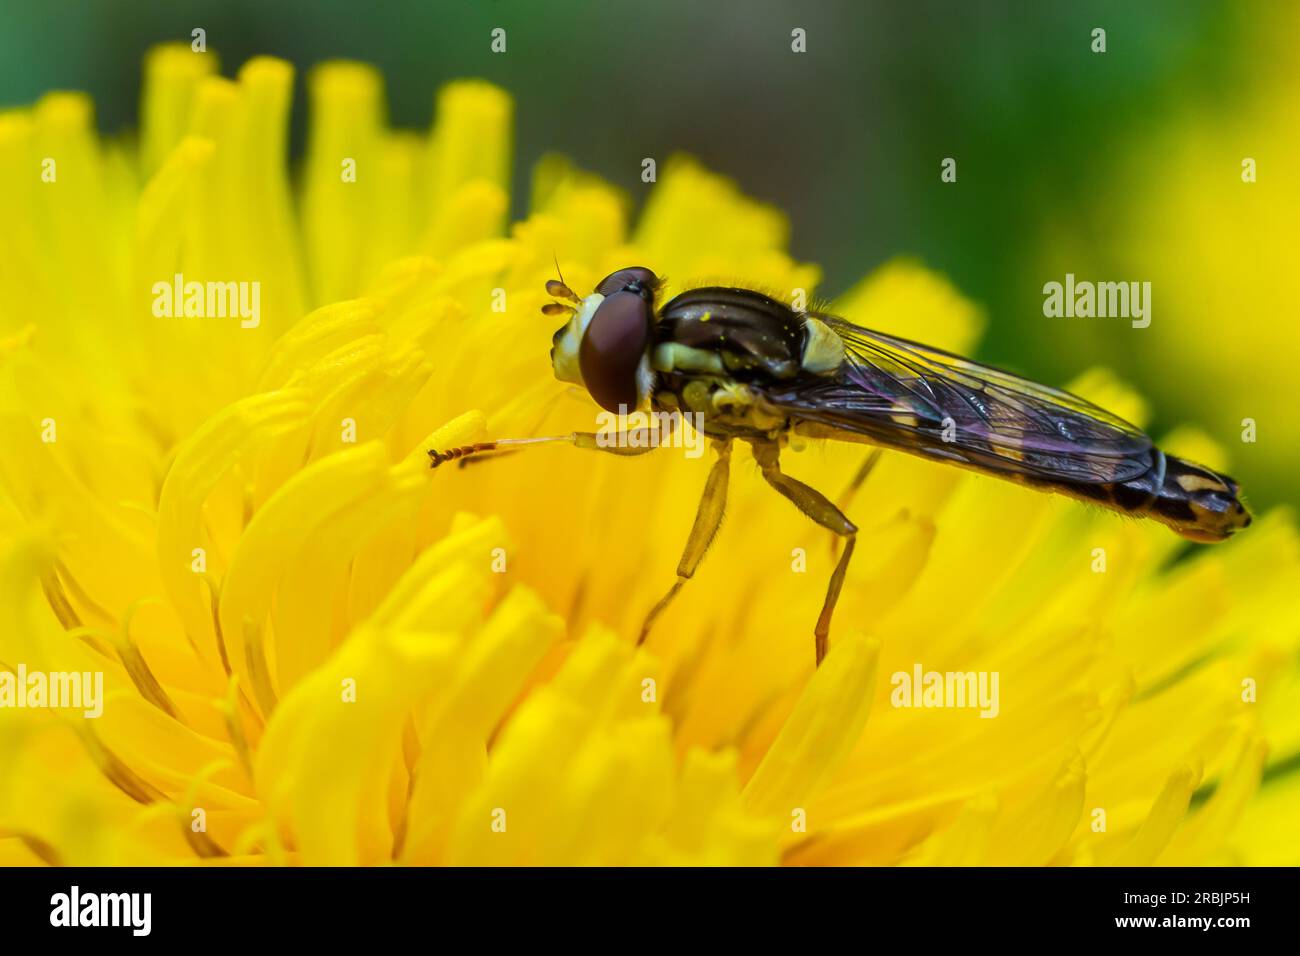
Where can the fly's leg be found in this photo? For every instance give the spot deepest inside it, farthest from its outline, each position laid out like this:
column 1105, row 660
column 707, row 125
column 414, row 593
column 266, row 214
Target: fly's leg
column 707, row 520
column 819, row 508
column 618, row 443
column 850, row 492
column 462, row 453
column 864, row 472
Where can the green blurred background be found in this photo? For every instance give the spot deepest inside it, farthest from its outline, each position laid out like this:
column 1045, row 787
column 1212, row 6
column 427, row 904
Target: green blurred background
column 1059, row 149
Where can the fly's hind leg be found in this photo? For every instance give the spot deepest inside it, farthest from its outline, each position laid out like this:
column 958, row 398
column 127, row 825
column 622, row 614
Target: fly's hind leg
column 851, row 491
column 820, row 509
column 863, row 473
column 708, row 518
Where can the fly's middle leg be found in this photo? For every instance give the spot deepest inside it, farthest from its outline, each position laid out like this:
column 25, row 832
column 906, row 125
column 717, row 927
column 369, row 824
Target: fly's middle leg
column 820, row 509
column 708, row 518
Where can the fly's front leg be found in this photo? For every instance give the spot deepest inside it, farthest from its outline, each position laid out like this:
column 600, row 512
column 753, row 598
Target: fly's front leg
column 708, row 518
column 819, row 508
column 618, row 443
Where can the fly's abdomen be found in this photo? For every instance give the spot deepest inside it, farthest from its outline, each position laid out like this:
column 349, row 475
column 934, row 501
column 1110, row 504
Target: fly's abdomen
column 1194, row 501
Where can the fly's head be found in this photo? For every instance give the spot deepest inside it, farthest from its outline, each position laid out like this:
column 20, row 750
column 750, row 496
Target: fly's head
column 605, row 346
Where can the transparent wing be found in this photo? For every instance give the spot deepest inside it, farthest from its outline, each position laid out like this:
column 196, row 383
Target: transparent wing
column 922, row 399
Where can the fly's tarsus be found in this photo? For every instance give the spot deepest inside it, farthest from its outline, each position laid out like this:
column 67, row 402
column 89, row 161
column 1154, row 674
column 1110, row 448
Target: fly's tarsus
column 461, row 452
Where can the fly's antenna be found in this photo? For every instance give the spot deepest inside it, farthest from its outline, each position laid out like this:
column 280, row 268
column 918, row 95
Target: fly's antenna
column 560, row 289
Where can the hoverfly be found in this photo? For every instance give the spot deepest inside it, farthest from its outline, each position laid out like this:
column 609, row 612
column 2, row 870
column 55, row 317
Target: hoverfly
column 753, row 369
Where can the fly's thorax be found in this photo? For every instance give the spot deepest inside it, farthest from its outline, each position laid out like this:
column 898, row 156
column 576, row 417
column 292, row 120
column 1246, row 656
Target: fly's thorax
column 717, row 348
column 745, row 334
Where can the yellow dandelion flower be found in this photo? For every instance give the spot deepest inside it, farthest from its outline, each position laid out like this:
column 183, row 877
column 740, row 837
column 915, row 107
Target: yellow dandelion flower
column 217, row 388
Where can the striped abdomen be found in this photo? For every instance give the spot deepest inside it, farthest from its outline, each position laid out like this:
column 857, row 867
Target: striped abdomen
column 1194, row 501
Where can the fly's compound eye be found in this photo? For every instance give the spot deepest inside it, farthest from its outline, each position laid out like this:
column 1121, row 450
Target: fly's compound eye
column 612, row 348
column 636, row 279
